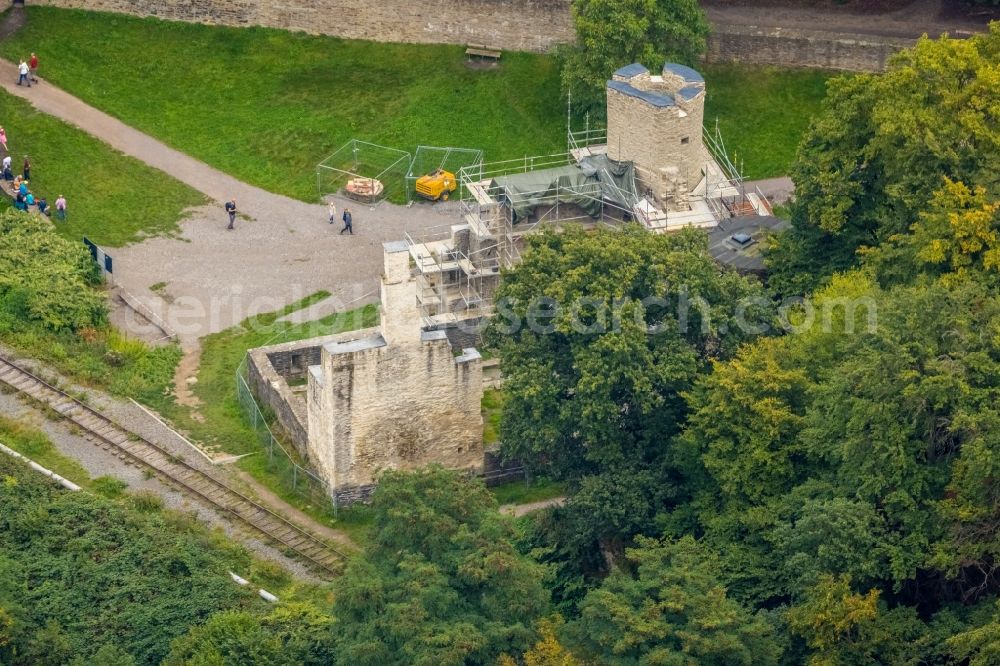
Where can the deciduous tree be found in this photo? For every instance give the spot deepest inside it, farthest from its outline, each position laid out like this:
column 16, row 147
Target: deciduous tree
column 668, row 607
column 873, row 159
column 613, row 33
column 442, row 583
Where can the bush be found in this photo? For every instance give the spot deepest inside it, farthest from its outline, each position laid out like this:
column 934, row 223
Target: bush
column 45, row 278
column 87, row 580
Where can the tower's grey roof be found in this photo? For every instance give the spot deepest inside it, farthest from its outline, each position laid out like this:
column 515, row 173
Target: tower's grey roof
column 655, row 98
column 690, row 92
column 628, row 71
column 683, row 71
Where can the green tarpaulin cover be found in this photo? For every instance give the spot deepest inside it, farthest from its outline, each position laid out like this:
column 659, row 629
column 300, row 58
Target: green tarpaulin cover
column 585, row 185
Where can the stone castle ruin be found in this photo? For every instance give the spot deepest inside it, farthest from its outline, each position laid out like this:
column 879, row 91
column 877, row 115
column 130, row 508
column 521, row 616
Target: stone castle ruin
column 390, row 397
column 403, row 395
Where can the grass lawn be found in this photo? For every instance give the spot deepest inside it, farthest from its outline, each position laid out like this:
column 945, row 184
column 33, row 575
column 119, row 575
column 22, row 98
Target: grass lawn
column 267, row 105
column 112, row 199
column 521, row 492
column 762, row 112
column 27, row 440
column 492, row 410
column 34, row 444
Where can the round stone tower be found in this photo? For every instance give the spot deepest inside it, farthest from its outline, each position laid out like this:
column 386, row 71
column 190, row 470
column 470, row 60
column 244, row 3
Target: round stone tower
column 656, row 121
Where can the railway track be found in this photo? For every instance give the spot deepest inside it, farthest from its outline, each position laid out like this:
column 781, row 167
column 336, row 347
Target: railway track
column 204, row 486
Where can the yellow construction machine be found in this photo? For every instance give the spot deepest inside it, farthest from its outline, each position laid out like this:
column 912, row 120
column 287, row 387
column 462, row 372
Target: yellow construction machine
column 439, row 184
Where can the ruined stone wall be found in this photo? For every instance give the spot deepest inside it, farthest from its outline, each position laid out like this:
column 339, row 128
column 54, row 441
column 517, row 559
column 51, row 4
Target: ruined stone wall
column 395, row 407
column 522, row 25
column 801, row 48
column 269, row 369
column 273, row 393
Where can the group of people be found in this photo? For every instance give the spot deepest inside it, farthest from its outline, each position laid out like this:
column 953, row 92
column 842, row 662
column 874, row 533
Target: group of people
column 27, row 72
column 24, row 198
column 231, row 211
column 347, row 218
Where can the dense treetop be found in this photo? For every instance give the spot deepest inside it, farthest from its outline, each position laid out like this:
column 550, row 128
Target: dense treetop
column 613, row 33
column 893, row 150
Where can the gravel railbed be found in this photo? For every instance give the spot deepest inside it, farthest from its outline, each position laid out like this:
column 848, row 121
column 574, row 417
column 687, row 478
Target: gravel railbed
column 100, row 461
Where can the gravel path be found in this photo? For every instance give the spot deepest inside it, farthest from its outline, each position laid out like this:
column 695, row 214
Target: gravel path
column 778, row 190
column 518, row 510
column 98, row 461
column 281, row 250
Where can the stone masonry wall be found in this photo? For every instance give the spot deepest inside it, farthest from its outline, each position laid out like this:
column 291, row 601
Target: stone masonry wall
column 801, row 48
column 521, row 25
column 395, row 407
column 270, row 368
column 654, row 137
column 272, row 392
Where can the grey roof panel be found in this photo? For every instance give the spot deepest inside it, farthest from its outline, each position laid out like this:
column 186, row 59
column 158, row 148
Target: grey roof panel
column 690, row 92
column 744, row 259
column 683, row 71
column 363, row 344
column 431, row 336
column 628, row 71
column 661, row 100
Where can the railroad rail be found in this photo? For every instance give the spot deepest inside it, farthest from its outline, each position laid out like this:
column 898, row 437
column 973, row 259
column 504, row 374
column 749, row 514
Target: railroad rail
column 204, row 486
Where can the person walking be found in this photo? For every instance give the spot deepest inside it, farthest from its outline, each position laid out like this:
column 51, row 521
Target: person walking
column 3, row 139
column 22, row 73
column 332, row 208
column 347, row 222
column 33, row 68
column 61, row 208
column 231, row 209
column 27, row 168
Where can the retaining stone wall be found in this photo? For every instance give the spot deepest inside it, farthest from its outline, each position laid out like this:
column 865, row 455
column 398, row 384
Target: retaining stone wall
column 519, row 25
column 269, row 369
column 801, row 48
column 273, row 393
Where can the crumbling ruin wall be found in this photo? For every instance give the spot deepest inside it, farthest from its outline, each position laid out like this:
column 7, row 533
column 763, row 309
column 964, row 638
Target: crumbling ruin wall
column 269, row 371
column 394, row 407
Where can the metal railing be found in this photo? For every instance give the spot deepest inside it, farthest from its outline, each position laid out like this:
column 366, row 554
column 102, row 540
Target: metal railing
column 578, row 139
column 717, row 148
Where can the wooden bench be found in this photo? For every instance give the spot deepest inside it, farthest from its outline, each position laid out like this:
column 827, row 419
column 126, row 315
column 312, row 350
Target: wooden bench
column 482, row 52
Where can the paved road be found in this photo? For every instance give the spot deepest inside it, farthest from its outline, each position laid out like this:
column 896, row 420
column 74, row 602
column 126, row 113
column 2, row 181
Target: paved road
column 777, row 190
column 518, row 510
